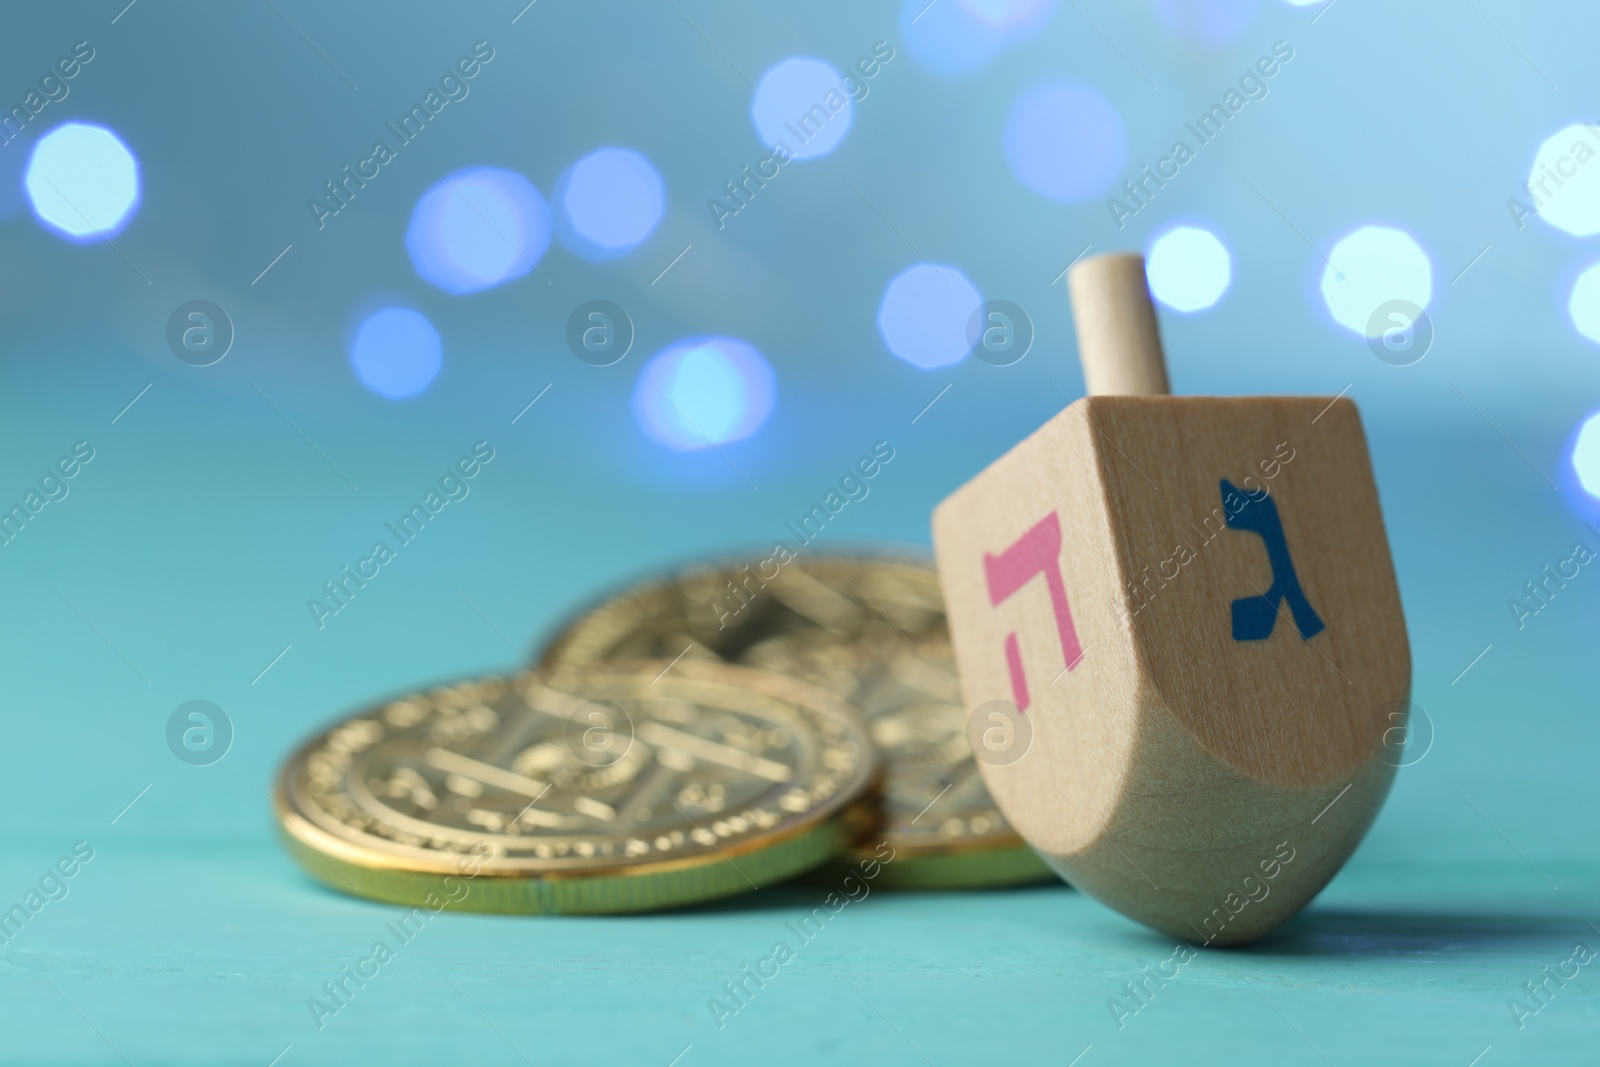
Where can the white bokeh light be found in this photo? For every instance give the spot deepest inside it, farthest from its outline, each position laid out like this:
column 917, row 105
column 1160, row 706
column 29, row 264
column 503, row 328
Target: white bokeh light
column 1584, row 304
column 1564, row 182
column 1189, row 268
column 803, row 104
column 1586, row 456
column 704, row 391
column 83, row 181
column 478, row 228
column 1372, row 267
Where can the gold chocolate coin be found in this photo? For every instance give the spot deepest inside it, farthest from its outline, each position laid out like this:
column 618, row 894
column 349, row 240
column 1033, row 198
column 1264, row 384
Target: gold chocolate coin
column 871, row 631
column 609, row 788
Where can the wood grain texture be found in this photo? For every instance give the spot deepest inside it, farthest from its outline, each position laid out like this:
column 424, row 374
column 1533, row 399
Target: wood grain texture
column 1119, row 342
column 1175, row 765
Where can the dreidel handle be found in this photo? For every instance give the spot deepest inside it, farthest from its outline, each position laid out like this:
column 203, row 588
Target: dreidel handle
column 1119, row 343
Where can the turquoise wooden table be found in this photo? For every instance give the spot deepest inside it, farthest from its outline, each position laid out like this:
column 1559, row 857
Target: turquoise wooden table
column 190, row 937
column 148, row 915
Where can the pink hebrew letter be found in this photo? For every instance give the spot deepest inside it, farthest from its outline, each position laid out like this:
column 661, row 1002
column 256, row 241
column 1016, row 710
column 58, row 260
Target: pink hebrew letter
column 1036, row 552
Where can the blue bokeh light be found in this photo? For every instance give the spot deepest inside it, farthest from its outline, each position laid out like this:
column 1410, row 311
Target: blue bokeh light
column 1369, row 268
column 1065, row 142
column 924, row 315
column 396, row 353
column 802, row 103
column 954, row 39
column 1189, row 268
column 83, row 182
column 704, row 391
column 1208, row 21
column 478, row 228
column 1584, row 304
column 1021, row 15
column 608, row 202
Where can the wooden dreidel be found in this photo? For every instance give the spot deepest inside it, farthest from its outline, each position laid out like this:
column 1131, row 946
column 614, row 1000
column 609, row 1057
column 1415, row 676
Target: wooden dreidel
column 1179, row 630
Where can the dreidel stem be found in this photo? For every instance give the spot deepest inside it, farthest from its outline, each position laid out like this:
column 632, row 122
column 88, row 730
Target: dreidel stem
column 1119, row 343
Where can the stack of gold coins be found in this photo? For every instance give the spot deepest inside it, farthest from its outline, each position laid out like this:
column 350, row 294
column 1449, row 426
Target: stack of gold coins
column 606, row 789
column 691, row 738
column 869, row 630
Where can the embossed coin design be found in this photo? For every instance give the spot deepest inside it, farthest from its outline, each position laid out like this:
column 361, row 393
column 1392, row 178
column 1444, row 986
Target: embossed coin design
column 199, row 733
column 599, row 732
column 614, row 788
column 200, row 333
column 600, row 333
column 871, row 631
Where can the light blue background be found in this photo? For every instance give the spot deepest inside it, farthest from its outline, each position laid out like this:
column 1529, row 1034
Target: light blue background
column 180, row 564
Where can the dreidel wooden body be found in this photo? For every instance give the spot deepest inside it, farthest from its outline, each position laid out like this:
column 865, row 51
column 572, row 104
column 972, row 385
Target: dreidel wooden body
column 1191, row 601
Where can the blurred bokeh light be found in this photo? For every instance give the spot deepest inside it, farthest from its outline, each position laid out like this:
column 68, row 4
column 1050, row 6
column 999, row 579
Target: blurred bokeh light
column 1018, row 15
column 924, row 315
column 608, row 203
column 1564, row 182
column 1189, row 268
column 1065, row 141
column 396, row 353
column 704, row 391
column 954, row 39
column 478, row 228
column 83, row 181
column 1584, row 303
column 1586, row 455
column 802, row 103
column 1369, row 268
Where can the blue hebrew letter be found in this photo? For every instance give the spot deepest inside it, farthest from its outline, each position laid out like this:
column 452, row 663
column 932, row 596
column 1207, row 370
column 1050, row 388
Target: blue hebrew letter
column 1255, row 616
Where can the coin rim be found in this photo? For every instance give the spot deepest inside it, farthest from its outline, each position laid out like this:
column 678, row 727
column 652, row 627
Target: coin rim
column 595, row 895
column 865, row 778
